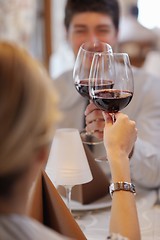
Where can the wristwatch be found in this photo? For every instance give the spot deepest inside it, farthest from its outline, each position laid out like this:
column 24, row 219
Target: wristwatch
column 124, row 186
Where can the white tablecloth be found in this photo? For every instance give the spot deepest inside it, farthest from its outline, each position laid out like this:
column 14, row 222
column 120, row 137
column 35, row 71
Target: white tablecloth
column 94, row 223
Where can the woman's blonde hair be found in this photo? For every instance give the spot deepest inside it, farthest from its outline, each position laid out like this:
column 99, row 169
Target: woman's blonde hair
column 28, row 108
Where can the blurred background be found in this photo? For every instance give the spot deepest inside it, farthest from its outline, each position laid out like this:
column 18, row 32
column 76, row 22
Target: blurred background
column 38, row 25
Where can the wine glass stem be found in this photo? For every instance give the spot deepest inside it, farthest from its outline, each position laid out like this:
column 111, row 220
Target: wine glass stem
column 68, row 196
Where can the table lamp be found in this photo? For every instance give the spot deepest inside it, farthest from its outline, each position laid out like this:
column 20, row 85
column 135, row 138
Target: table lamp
column 67, row 164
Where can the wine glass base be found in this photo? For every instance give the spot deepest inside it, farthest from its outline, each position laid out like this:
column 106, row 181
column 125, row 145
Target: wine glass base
column 89, row 139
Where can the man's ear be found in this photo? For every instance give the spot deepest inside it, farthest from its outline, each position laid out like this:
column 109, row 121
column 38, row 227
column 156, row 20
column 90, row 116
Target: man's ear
column 66, row 34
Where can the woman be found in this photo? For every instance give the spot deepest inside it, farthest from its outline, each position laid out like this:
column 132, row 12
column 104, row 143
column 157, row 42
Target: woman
column 28, row 116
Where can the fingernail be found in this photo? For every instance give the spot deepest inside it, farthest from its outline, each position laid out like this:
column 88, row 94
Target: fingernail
column 103, row 113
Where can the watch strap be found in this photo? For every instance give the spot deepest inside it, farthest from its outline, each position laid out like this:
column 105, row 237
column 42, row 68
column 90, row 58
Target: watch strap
column 124, row 186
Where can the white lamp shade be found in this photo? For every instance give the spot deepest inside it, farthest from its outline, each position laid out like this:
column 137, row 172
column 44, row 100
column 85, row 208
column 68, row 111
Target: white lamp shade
column 67, row 163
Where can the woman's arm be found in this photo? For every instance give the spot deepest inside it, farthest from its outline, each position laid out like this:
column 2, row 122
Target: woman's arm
column 119, row 138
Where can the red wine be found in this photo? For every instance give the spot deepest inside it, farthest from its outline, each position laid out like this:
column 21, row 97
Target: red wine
column 83, row 86
column 112, row 100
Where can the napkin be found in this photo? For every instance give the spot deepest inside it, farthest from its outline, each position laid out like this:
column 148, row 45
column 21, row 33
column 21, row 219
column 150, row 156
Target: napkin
column 53, row 211
column 91, row 191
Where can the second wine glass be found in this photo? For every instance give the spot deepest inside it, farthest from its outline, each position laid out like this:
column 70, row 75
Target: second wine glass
column 81, row 75
column 115, row 69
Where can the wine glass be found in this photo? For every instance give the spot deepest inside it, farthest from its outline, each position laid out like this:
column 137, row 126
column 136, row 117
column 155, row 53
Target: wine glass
column 81, row 74
column 117, row 94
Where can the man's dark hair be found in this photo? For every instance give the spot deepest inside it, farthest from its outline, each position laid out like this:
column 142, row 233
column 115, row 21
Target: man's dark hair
column 109, row 7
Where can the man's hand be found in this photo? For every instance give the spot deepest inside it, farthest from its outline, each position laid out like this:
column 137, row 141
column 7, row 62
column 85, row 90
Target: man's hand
column 94, row 120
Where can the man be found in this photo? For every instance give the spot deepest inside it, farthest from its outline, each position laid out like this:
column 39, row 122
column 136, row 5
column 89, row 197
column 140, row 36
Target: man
column 90, row 20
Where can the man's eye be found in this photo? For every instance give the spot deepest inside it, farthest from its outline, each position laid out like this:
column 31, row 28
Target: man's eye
column 79, row 31
column 103, row 30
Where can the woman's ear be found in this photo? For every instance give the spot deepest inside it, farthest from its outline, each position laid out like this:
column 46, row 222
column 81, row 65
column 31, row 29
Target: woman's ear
column 42, row 155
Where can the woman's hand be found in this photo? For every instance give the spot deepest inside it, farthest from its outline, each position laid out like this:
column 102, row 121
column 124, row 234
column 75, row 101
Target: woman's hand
column 119, row 136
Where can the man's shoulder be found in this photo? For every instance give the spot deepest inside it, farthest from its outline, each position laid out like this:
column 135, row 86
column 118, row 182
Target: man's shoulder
column 145, row 83
column 142, row 75
column 26, row 228
column 65, row 75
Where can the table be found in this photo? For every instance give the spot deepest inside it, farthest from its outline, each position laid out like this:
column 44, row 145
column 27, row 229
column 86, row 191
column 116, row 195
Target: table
column 95, row 223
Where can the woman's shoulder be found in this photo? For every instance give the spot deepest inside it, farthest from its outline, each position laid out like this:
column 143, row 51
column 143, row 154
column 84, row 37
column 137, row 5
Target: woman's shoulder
column 25, row 228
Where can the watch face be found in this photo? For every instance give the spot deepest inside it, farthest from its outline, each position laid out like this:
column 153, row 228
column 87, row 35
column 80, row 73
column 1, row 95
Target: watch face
column 126, row 186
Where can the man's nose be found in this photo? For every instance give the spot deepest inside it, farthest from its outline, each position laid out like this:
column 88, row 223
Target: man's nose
column 92, row 37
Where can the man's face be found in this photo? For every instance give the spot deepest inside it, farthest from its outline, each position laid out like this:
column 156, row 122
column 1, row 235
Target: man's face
column 91, row 26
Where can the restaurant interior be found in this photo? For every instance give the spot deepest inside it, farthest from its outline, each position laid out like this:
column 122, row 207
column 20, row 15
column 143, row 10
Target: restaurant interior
column 39, row 28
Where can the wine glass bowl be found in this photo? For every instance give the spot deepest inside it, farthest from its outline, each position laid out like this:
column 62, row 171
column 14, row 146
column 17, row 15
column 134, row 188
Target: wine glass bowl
column 81, row 73
column 117, row 94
